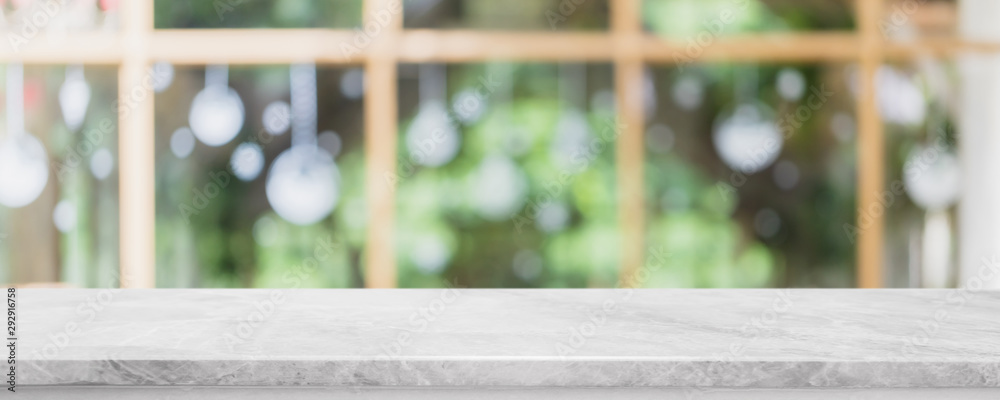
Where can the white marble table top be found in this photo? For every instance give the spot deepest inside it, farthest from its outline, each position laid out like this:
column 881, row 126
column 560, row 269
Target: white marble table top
column 460, row 337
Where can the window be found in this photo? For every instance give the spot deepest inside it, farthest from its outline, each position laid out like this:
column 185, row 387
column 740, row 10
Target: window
column 487, row 199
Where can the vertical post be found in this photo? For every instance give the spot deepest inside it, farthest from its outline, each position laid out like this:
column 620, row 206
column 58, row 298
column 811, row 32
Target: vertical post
column 871, row 149
column 136, row 149
column 979, row 144
column 381, row 120
column 628, row 66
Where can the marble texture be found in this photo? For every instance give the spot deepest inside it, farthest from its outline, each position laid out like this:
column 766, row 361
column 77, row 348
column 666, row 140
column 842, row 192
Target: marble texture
column 491, row 393
column 538, row 338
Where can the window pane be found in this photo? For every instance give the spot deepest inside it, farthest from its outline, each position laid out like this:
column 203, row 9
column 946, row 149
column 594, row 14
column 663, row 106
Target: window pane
column 910, row 20
column 257, row 13
column 693, row 18
column 52, row 21
column 507, row 176
column 59, row 179
column 507, row 15
column 919, row 106
column 750, row 175
column 260, row 209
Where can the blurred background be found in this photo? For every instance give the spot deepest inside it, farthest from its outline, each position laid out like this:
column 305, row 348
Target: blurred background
column 508, row 171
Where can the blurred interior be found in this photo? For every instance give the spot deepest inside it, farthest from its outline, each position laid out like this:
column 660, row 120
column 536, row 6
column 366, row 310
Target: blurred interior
column 748, row 152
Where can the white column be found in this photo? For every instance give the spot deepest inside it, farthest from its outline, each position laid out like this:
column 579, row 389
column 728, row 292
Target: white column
column 979, row 142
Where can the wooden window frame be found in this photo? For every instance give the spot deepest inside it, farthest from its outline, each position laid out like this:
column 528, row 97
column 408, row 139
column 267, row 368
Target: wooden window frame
column 137, row 45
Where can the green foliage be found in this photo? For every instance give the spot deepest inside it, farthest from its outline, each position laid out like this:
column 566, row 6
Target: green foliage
column 257, row 13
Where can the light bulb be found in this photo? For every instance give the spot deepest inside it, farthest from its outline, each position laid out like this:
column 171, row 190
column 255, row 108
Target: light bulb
column 786, row 174
column 331, row 142
column 277, row 117
column 303, row 184
column 247, row 161
column 791, row 84
column 24, row 170
column 64, row 216
column 572, row 137
column 899, row 98
column 660, row 138
column 163, row 76
column 469, row 106
column 430, row 254
column 499, row 188
column 748, row 140
column 552, row 218
column 527, row 265
column 74, row 96
column 688, row 92
column 216, row 115
column 352, row 83
column 431, row 139
column 182, row 143
column 101, row 164
column 932, row 178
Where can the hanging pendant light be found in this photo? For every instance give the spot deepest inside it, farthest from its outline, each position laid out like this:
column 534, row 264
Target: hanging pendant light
column 217, row 112
column 64, row 216
column 24, row 170
column 497, row 187
column 469, row 107
column 791, row 84
column 512, row 137
column 182, row 143
column 932, row 179
column 931, row 175
column 101, row 164
column 352, row 83
column 900, row 99
column 247, row 161
column 431, row 139
column 933, row 182
column 303, row 184
column 74, row 96
column 430, row 253
column 747, row 138
column 163, row 76
column 277, row 117
column 688, row 92
column 331, row 142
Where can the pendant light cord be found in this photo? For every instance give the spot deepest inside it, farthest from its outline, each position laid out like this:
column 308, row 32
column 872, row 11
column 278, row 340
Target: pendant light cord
column 303, row 94
column 15, row 100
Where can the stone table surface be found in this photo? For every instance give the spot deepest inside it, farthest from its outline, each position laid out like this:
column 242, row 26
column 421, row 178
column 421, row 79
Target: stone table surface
column 475, row 337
